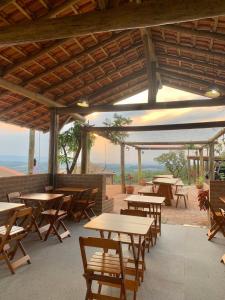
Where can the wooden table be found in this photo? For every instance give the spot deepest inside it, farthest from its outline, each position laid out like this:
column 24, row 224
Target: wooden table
column 41, row 199
column 163, row 176
column 130, row 225
column 165, row 188
column 6, row 206
column 146, row 190
column 223, row 257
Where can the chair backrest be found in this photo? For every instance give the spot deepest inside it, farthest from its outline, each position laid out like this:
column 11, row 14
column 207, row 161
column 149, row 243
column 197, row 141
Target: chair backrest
column 49, row 189
column 133, row 212
column 14, row 197
column 24, row 215
column 104, row 245
column 94, row 193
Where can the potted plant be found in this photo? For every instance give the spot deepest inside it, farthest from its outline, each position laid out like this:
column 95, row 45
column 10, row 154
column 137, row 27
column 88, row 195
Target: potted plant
column 200, row 182
column 129, row 187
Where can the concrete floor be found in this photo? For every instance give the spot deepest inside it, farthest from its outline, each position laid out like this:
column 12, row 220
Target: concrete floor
column 182, row 266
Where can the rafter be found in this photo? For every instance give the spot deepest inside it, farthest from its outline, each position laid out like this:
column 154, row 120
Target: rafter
column 195, row 32
column 130, row 15
column 4, row 3
column 150, row 65
column 190, row 49
column 32, row 95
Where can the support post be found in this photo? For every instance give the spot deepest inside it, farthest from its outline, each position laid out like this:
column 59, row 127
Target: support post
column 211, row 161
column 122, row 166
column 188, row 171
column 53, row 146
column 139, row 166
column 31, row 151
column 201, row 169
column 84, row 152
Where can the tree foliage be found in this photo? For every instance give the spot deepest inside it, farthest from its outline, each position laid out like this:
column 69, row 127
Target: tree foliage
column 69, row 145
column 174, row 162
column 69, row 141
column 116, row 137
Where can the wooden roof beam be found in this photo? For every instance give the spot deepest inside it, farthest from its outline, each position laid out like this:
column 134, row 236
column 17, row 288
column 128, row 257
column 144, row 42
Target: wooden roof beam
column 185, row 143
column 135, row 107
column 181, row 126
column 217, row 135
column 130, row 15
column 4, row 3
column 15, row 88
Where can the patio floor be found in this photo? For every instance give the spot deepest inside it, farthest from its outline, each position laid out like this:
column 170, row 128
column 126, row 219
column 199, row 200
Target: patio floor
column 182, row 266
column 170, row 215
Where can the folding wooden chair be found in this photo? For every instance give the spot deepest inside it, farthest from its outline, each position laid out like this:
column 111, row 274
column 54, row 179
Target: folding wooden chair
column 104, row 268
column 11, row 237
column 54, row 217
column 153, row 211
column 14, row 197
column 182, row 194
column 218, row 222
column 87, row 203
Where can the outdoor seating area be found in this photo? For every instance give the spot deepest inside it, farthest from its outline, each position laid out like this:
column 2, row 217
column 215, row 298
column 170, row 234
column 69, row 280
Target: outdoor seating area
column 104, row 225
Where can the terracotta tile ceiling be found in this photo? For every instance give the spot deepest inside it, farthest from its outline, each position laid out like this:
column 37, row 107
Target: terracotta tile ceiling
column 105, row 67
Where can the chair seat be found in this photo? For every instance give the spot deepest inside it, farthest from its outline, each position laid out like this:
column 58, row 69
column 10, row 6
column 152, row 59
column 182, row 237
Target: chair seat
column 105, row 263
column 13, row 231
column 52, row 212
column 181, row 193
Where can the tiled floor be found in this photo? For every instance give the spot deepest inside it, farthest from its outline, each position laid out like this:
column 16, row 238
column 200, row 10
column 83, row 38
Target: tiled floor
column 170, row 215
column 182, row 266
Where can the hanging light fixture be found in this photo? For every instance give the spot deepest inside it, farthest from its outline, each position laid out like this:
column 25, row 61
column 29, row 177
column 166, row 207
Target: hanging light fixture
column 83, row 103
column 213, row 91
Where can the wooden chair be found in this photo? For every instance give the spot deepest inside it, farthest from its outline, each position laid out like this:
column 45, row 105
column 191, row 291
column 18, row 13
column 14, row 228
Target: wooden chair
column 178, row 186
column 14, row 197
column 218, row 221
column 86, row 204
column 105, row 268
column 182, row 194
column 126, row 239
column 153, row 211
column 12, row 234
column 54, row 217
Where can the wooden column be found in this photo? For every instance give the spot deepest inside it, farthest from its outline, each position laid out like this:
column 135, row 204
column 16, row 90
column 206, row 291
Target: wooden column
column 201, row 169
column 188, row 171
column 31, row 151
column 122, row 167
column 53, row 145
column 84, row 152
column 139, row 165
column 211, row 161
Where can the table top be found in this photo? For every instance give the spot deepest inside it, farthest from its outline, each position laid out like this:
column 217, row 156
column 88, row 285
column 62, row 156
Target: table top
column 163, row 176
column 145, row 199
column 70, row 189
column 41, row 196
column 170, row 181
column 6, row 206
column 120, row 224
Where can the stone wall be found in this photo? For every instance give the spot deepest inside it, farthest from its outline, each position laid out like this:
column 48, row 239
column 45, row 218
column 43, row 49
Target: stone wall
column 90, row 181
column 23, row 184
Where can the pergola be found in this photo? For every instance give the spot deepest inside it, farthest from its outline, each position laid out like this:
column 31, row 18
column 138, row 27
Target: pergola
column 54, row 55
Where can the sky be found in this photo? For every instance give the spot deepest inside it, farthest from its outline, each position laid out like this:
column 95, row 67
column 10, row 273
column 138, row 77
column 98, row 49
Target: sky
column 14, row 139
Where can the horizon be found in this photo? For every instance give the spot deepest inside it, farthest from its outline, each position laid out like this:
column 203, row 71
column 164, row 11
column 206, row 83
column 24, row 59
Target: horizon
column 15, row 139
